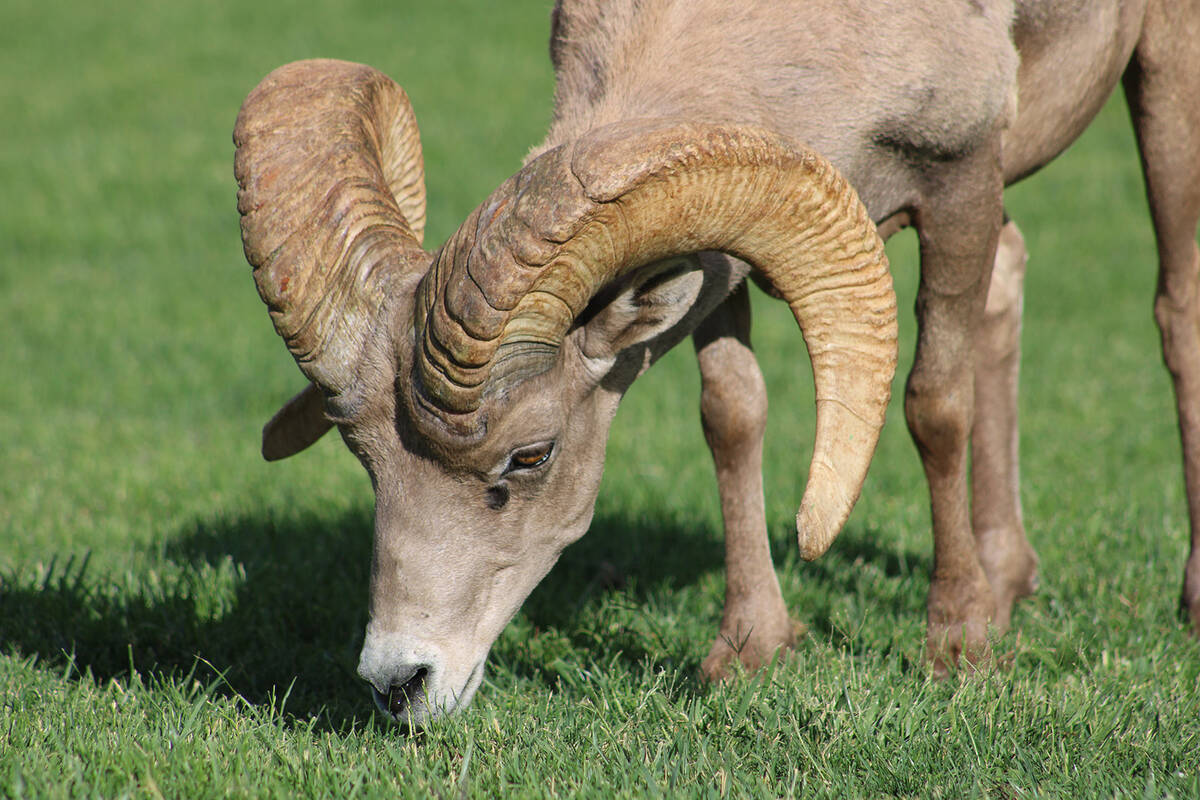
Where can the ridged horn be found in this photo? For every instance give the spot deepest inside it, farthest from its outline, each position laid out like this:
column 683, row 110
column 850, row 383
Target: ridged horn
column 505, row 289
column 332, row 197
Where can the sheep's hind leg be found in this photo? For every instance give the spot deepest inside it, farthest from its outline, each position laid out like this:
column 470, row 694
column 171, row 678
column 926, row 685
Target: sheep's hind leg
column 1007, row 558
column 733, row 411
column 1164, row 100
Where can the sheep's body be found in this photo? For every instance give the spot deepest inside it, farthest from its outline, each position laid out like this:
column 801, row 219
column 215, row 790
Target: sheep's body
column 873, row 86
column 477, row 384
column 928, row 108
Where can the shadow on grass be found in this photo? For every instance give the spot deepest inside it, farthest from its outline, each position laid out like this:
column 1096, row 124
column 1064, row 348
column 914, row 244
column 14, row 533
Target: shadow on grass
column 895, row 586
column 295, row 623
column 298, row 607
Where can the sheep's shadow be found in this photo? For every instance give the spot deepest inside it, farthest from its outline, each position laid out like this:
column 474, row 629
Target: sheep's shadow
column 841, row 573
column 293, row 623
column 283, row 619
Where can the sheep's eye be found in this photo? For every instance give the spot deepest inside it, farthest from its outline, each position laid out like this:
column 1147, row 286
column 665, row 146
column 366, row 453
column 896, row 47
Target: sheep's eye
column 530, row 457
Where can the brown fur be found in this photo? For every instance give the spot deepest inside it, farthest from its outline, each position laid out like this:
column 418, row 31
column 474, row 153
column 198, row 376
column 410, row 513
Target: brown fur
column 928, row 120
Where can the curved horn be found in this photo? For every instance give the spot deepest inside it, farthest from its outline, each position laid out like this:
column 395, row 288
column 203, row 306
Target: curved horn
column 506, row 288
column 332, row 198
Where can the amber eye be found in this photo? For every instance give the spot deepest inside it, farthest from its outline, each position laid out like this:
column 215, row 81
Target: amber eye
column 530, row 457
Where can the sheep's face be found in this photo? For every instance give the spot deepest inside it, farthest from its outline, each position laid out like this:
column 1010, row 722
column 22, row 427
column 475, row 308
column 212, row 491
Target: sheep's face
column 465, row 531
column 462, row 538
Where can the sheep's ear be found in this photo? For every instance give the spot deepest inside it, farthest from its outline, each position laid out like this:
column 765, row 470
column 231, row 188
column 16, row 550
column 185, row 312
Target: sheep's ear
column 297, row 425
column 652, row 303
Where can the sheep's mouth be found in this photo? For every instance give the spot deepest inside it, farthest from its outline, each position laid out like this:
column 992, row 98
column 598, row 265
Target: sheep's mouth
column 408, row 702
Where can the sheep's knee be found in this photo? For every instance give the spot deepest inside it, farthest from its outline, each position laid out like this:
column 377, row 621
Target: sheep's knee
column 938, row 410
column 1177, row 312
column 733, row 396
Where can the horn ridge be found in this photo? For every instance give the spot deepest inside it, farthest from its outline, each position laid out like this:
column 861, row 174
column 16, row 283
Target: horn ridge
column 332, row 203
column 636, row 192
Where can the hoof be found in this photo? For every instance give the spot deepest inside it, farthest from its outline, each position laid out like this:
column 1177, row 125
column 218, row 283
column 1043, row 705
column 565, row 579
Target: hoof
column 960, row 615
column 1011, row 567
column 958, row 648
column 751, row 649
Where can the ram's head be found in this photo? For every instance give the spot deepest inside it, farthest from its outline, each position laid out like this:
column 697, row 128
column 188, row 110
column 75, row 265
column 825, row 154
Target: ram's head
column 477, row 384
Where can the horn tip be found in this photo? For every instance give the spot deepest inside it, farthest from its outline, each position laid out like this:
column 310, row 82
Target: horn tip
column 813, row 533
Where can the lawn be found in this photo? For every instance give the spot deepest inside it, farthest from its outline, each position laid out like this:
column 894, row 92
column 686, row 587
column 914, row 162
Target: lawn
column 180, row 619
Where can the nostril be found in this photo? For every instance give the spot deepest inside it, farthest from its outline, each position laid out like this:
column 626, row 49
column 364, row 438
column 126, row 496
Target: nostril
column 402, row 692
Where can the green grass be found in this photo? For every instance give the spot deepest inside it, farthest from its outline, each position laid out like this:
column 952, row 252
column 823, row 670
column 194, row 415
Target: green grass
column 180, row 619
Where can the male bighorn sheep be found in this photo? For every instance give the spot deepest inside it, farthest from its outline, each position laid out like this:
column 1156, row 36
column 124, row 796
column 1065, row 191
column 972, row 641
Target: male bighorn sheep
column 477, row 384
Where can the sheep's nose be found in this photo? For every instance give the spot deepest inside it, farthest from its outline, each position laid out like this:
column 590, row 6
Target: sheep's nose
column 405, row 687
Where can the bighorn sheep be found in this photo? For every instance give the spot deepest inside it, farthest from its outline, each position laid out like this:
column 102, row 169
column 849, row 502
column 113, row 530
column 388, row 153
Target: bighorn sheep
column 477, row 384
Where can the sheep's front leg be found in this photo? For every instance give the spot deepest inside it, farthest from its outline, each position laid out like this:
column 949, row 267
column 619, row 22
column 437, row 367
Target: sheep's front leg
column 1007, row 558
column 733, row 411
column 958, row 224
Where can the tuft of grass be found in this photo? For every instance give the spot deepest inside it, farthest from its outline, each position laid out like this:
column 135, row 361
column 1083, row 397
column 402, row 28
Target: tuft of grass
column 178, row 618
